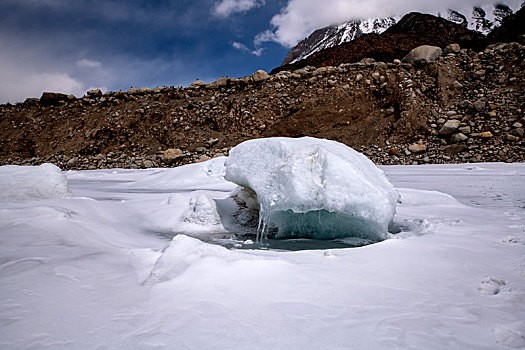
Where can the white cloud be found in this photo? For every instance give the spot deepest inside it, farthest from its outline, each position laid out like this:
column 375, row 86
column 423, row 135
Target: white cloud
column 300, row 17
column 27, row 72
column 241, row 47
column 88, row 63
column 16, row 86
column 225, row 8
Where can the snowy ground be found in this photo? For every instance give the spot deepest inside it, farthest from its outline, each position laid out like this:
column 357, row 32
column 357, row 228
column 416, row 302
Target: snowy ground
column 98, row 269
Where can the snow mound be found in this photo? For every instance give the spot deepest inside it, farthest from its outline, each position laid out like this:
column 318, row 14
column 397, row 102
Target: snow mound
column 209, row 174
column 314, row 188
column 185, row 251
column 22, row 183
column 202, row 210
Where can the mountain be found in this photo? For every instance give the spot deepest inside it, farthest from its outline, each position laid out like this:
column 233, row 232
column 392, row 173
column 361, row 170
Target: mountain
column 413, row 30
column 512, row 27
column 336, row 35
column 476, row 19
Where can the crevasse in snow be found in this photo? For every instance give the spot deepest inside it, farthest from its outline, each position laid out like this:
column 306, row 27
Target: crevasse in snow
column 313, row 188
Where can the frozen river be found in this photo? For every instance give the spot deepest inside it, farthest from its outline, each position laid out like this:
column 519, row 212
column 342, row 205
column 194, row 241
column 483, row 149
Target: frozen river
column 98, row 269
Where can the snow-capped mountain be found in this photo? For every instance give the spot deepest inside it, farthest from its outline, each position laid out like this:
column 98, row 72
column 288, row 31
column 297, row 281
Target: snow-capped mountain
column 480, row 19
column 336, row 35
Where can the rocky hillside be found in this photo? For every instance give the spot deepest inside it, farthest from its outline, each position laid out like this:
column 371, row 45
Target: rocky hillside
column 336, row 35
column 465, row 107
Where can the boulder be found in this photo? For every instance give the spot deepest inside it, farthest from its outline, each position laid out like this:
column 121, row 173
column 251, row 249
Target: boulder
column 423, row 54
column 417, row 148
column 222, row 81
column 260, row 75
column 95, row 93
column 459, row 137
column 197, row 84
column 52, row 98
column 172, row 154
column 449, row 127
column 452, row 48
column 483, row 135
column 455, row 148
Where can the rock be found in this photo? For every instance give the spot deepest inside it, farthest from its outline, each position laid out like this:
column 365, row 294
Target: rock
column 95, row 93
column 459, row 137
column 260, row 75
column 132, row 91
column 212, row 141
column 320, row 71
column 423, row 54
column 203, row 158
column 483, row 135
column 197, row 84
column 417, row 148
column 454, row 149
column 148, row 164
column 394, row 152
column 172, row 154
column 221, row 82
column 518, row 132
column 397, row 62
column 479, row 105
column 52, row 98
column 465, row 129
column 367, row 60
column 145, row 90
column 72, row 162
column 480, row 73
column 449, row 127
column 452, row 48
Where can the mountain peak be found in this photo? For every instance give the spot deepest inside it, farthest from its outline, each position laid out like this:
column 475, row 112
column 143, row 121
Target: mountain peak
column 335, row 35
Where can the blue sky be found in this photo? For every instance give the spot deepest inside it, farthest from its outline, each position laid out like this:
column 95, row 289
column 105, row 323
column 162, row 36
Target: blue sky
column 75, row 45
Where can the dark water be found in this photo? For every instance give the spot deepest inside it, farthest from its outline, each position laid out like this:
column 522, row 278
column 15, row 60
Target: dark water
column 291, row 244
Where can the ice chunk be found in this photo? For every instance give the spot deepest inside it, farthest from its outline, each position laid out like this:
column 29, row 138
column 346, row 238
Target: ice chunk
column 184, row 251
column 315, row 188
column 202, row 211
column 21, row 183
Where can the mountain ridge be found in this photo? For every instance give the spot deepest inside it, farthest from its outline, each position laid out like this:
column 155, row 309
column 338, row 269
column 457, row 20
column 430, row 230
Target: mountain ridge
column 414, row 29
column 337, row 34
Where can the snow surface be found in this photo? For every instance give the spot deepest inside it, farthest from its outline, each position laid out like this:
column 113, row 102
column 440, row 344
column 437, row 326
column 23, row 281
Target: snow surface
column 314, row 187
column 103, row 269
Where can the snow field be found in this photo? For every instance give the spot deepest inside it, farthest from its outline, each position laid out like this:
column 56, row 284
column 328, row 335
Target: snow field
column 105, row 268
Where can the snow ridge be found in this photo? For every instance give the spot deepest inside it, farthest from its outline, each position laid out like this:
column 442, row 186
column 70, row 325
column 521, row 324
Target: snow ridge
column 336, row 35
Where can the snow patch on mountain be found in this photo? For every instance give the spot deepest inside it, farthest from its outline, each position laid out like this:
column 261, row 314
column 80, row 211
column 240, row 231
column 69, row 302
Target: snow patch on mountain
column 336, row 35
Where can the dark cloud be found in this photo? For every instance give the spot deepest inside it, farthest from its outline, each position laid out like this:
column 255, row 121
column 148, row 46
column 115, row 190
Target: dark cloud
column 71, row 46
